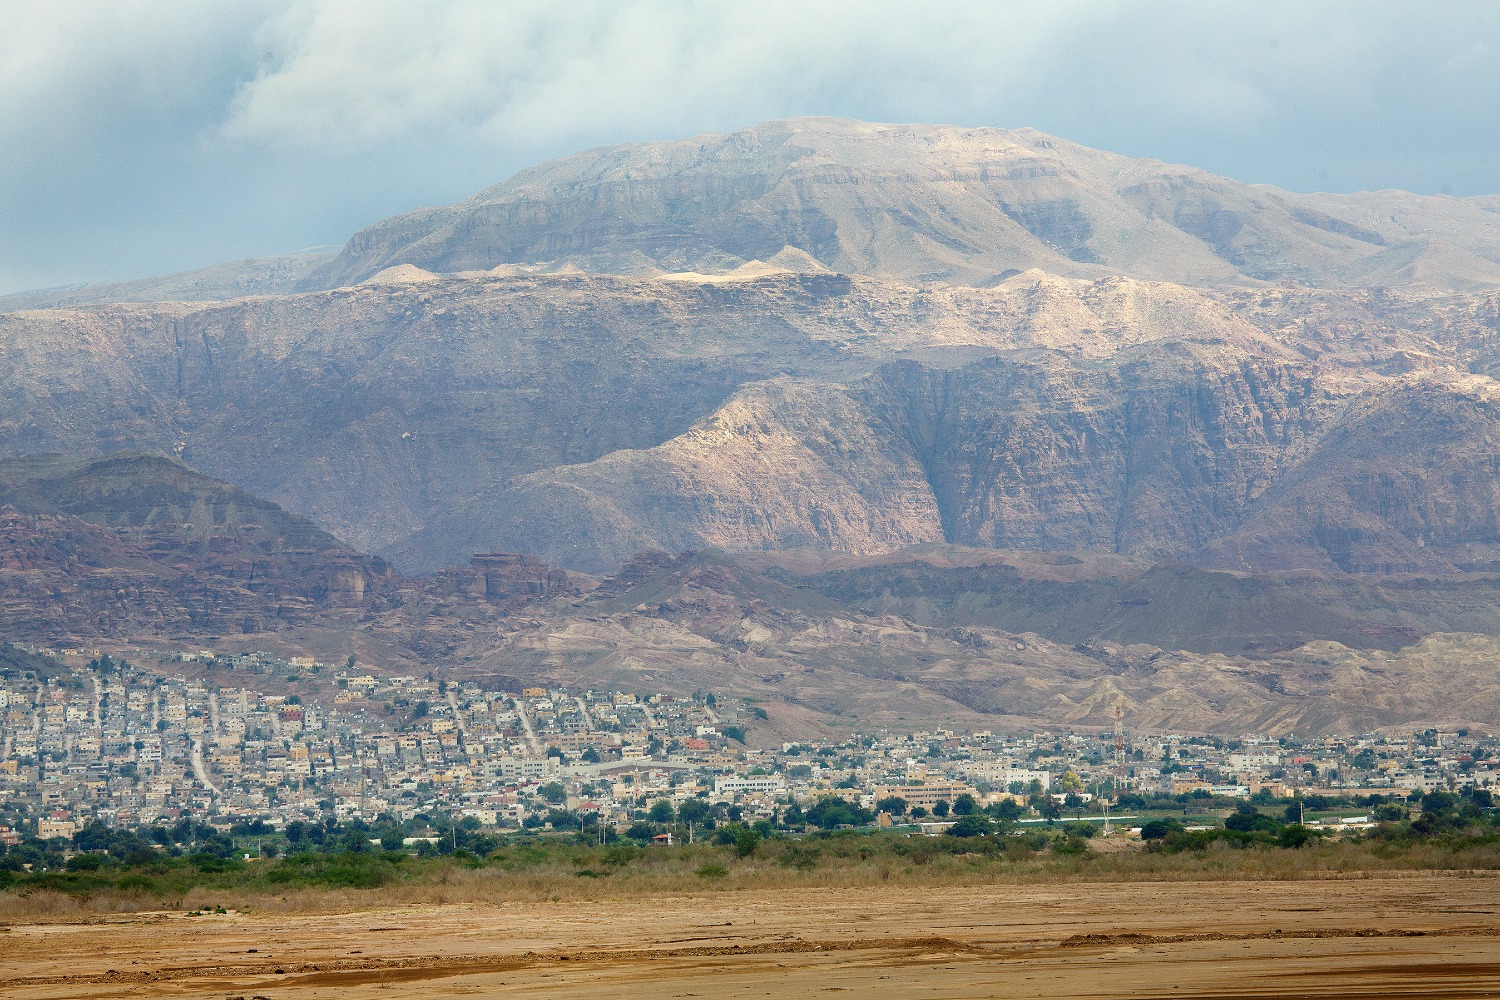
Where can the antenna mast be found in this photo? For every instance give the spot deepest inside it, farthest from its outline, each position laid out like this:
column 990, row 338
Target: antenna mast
column 1119, row 751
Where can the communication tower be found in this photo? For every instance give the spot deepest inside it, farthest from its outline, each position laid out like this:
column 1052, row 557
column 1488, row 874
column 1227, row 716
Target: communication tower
column 1119, row 751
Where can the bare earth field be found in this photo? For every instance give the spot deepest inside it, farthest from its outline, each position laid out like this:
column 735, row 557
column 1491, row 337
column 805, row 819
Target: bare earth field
column 1430, row 936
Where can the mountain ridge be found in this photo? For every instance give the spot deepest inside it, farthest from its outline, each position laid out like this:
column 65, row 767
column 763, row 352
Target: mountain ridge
column 927, row 203
column 1254, row 473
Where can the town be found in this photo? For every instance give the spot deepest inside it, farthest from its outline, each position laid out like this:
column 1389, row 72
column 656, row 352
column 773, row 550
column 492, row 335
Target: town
column 105, row 740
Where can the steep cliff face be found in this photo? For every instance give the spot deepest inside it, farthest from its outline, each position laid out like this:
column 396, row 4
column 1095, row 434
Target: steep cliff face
column 782, row 464
column 1156, row 453
column 1153, row 454
column 370, row 409
column 583, row 418
column 927, row 202
column 1408, row 480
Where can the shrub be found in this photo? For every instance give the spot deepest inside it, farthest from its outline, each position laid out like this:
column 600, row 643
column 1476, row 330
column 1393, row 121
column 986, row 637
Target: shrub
column 1296, row 835
column 1159, row 829
column 1248, row 822
column 85, row 862
column 1070, row 844
column 621, row 854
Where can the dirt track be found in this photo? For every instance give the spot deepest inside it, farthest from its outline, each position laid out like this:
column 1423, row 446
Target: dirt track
column 1423, row 936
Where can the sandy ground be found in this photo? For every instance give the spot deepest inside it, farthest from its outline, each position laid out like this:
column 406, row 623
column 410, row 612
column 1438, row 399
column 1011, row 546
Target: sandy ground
column 1428, row 936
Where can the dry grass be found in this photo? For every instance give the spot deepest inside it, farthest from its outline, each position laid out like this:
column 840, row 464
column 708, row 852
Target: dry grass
column 568, row 875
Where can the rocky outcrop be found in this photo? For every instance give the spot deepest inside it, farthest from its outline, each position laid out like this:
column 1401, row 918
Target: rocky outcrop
column 135, row 546
column 508, row 576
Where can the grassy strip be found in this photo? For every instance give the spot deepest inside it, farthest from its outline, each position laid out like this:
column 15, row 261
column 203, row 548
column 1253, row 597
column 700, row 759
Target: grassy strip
column 541, row 869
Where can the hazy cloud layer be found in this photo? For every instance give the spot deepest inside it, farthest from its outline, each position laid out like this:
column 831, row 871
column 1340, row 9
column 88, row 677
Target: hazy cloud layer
column 141, row 137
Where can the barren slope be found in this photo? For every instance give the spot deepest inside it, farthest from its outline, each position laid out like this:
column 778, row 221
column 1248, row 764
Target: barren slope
column 931, row 203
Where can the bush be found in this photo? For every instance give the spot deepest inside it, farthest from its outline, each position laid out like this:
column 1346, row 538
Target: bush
column 138, row 883
column 206, row 862
column 86, row 862
column 340, row 871
column 621, row 854
column 1295, row 835
column 1248, row 822
column 1160, row 829
column 1070, row 844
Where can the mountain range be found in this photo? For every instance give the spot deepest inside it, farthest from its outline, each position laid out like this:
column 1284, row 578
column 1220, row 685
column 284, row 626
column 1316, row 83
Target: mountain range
column 808, row 341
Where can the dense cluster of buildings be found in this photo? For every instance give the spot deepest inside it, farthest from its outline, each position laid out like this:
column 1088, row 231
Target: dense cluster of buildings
column 134, row 747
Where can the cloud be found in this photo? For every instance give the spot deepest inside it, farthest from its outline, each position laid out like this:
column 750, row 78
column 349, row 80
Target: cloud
column 144, row 136
column 357, row 74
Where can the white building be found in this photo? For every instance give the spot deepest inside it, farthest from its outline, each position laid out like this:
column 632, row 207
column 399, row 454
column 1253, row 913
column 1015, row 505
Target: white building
column 743, row 784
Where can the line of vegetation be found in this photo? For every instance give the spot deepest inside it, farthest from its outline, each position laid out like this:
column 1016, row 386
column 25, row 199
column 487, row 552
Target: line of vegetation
column 333, row 864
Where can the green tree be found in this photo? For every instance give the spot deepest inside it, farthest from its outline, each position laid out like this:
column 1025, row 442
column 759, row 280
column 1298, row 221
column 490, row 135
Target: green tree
column 693, row 811
column 1005, row 810
column 661, row 812
column 970, row 825
column 830, row 812
column 1160, row 829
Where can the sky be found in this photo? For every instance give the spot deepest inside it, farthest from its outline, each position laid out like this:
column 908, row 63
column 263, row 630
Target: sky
column 141, row 138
